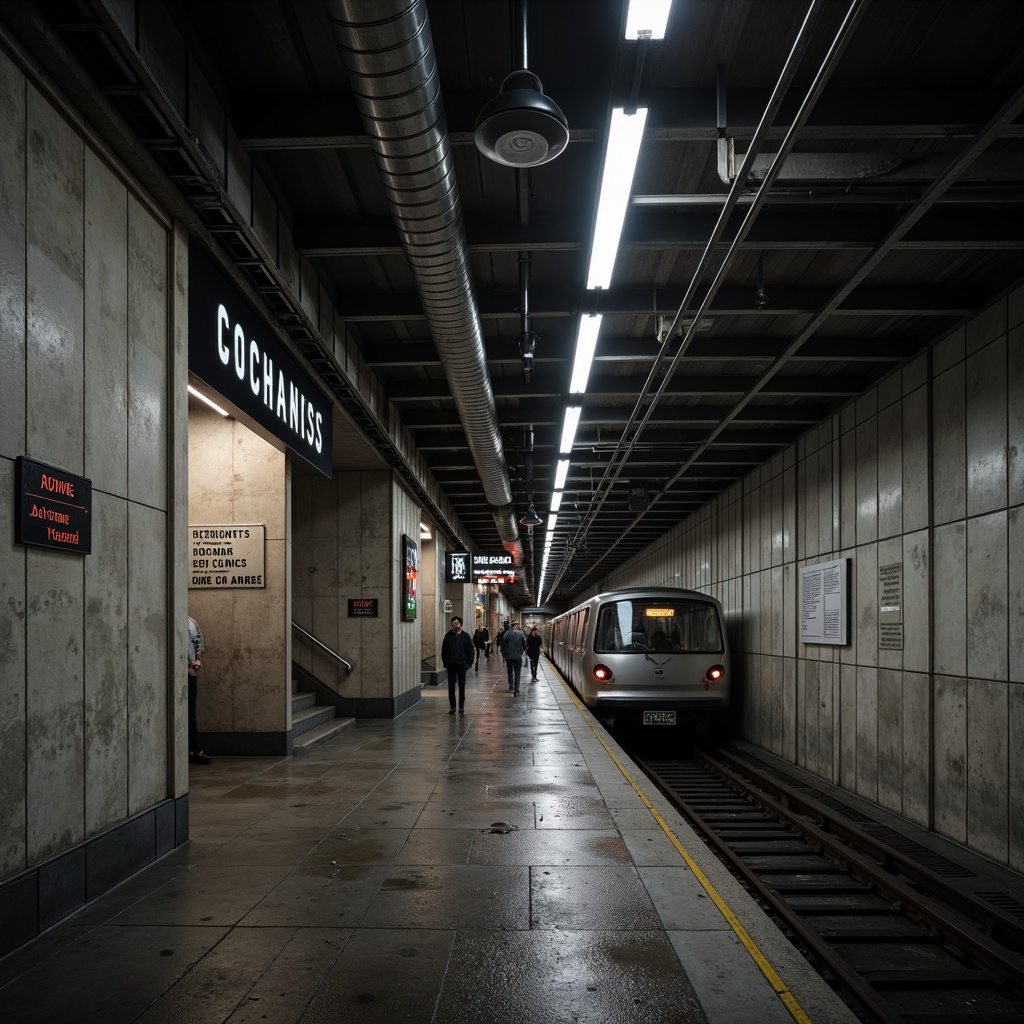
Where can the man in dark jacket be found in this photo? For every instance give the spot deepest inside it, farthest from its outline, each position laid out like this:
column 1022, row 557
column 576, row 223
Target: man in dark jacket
column 481, row 638
column 533, row 650
column 457, row 657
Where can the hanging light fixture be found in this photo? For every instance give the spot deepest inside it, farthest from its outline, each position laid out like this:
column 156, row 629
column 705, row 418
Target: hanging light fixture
column 521, row 127
column 531, row 518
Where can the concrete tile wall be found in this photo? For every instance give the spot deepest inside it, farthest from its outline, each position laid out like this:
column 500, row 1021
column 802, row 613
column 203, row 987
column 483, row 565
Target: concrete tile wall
column 88, row 354
column 406, row 642
column 347, row 534
column 926, row 470
column 236, row 477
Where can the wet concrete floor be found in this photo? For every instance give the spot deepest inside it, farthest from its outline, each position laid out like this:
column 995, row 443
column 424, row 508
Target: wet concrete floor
column 496, row 866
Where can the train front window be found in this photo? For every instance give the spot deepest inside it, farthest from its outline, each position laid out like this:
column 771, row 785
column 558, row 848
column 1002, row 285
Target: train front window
column 673, row 625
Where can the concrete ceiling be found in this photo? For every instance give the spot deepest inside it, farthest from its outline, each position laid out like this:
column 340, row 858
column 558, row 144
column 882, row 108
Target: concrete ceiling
column 896, row 214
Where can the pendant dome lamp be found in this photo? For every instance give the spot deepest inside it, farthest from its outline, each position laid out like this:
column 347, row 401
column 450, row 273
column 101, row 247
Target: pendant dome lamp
column 521, row 127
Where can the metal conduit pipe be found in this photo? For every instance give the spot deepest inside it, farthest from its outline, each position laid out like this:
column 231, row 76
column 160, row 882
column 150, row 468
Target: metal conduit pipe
column 388, row 53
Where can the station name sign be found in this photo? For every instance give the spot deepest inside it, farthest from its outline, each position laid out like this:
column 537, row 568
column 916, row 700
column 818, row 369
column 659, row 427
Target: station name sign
column 54, row 508
column 232, row 350
column 456, row 566
column 490, row 563
column 480, row 567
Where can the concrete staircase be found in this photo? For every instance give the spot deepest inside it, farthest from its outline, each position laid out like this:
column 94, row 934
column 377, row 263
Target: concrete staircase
column 314, row 724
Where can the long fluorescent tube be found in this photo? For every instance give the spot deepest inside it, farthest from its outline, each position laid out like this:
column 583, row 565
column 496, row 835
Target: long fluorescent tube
column 647, row 16
column 203, row 398
column 586, row 346
column 624, row 137
column 556, row 501
column 561, row 472
column 552, row 519
column 569, row 425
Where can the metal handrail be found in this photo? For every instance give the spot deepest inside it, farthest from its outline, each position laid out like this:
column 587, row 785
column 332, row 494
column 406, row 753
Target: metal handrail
column 348, row 665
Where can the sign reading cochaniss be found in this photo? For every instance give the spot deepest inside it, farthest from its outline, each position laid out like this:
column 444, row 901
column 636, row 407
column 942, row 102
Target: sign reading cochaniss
column 231, row 350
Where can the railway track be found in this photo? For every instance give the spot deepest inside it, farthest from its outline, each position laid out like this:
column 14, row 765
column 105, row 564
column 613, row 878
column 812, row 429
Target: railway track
column 883, row 918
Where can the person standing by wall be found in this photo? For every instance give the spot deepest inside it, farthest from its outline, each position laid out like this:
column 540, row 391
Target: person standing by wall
column 481, row 638
column 513, row 647
column 196, row 646
column 533, row 650
column 457, row 657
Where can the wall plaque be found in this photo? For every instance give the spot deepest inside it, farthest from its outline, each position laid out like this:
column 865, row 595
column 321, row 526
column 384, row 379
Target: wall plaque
column 54, row 508
column 362, row 608
column 890, row 607
column 824, row 603
column 227, row 556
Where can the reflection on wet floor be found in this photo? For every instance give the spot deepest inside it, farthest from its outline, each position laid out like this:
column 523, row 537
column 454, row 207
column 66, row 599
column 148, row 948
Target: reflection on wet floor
column 428, row 868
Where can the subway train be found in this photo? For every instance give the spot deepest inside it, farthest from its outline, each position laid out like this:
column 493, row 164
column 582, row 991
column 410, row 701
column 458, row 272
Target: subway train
column 656, row 656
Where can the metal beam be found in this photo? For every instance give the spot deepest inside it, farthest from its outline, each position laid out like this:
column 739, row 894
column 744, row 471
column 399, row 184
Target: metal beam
column 944, row 301
column 793, row 228
column 331, row 122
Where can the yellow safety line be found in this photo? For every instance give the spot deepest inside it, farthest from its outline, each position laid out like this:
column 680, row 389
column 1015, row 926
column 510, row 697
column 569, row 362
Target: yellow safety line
column 781, row 989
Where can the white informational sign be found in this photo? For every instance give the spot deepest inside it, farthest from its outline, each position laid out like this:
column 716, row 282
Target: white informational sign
column 227, row 556
column 890, row 606
column 824, row 602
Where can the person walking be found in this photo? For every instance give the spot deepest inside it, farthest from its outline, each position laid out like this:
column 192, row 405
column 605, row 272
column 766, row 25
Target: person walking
column 513, row 647
column 499, row 639
column 194, row 654
column 480, row 640
column 533, row 650
column 457, row 657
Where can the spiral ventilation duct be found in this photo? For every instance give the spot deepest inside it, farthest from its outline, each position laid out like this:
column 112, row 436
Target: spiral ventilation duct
column 388, row 52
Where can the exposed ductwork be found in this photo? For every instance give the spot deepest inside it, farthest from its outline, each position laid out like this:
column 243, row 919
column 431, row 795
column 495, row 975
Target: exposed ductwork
column 388, row 52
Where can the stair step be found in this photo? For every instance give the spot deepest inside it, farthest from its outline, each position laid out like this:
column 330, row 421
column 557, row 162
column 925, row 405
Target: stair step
column 301, row 701
column 309, row 718
column 321, row 734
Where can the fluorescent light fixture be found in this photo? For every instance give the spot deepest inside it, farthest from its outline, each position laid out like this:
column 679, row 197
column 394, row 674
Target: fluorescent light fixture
column 586, row 346
column 647, row 16
column 569, row 425
column 552, row 519
column 561, row 472
column 556, row 501
column 424, row 532
column 203, row 398
column 624, row 138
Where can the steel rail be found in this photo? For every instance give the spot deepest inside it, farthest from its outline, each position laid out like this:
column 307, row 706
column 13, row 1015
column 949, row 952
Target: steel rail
column 334, row 654
column 993, row 954
column 868, row 869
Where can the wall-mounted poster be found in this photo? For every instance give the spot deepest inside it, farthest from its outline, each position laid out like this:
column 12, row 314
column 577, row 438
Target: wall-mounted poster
column 824, row 603
column 410, row 578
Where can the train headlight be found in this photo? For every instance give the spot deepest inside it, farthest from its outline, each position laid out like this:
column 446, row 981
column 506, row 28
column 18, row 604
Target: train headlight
column 715, row 674
column 602, row 673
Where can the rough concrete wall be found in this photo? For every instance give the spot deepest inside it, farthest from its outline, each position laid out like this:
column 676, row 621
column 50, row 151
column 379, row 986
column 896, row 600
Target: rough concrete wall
column 925, row 470
column 235, row 477
column 90, row 711
column 432, row 616
column 346, row 547
column 406, row 636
